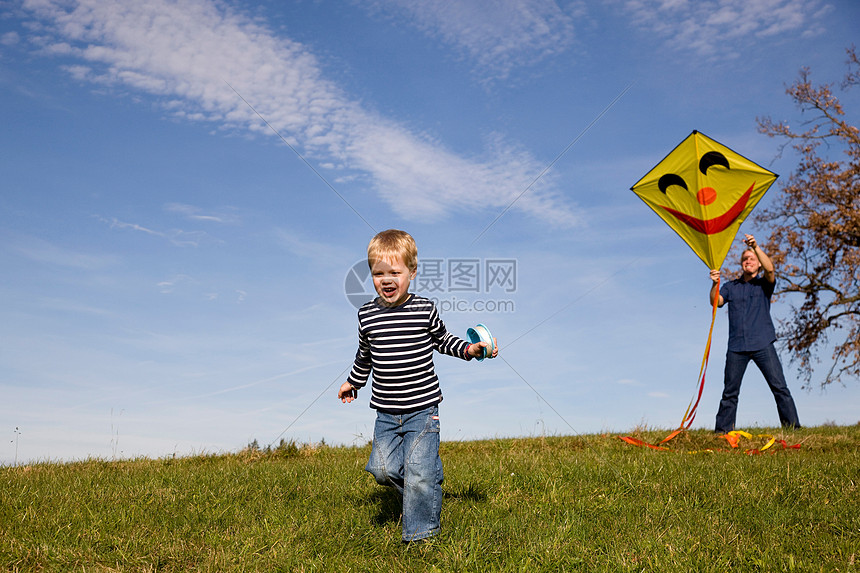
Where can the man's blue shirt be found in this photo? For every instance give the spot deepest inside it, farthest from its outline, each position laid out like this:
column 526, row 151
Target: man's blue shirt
column 750, row 325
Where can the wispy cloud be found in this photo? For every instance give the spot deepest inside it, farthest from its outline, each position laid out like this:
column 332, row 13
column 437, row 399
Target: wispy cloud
column 70, row 306
column 497, row 36
column 193, row 213
column 168, row 286
column 308, row 248
column 46, row 252
column 186, row 52
column 714, row 29
column 10, row 38
column 177, row 237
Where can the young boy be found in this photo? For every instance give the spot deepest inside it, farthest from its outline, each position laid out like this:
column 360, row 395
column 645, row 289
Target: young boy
column 398, row 332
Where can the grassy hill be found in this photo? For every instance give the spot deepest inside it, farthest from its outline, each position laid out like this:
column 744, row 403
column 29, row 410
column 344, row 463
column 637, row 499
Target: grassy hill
column 584, row 503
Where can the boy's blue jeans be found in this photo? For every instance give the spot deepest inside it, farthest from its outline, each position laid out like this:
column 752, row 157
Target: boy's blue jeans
column 405, row 456
column 768, row 362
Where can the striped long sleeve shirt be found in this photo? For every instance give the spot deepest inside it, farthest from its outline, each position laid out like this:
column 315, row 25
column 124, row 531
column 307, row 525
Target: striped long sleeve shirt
column 397, row 344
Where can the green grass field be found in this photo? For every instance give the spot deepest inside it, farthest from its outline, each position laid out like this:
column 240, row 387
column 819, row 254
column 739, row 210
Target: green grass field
column 585, row 503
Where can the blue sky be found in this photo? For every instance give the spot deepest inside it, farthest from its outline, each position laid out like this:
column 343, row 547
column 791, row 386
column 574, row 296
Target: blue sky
column 175, row 273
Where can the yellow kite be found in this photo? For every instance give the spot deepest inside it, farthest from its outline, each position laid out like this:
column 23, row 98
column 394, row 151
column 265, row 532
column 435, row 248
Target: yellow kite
column 704, row 191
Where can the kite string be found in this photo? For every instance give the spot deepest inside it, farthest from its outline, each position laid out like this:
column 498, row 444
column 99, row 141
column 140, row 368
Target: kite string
column 600, row 457
column 553, row 162
column 524, row 191
column 299, row 155
column 315, row 400
column 539, row 176
column 692, row 407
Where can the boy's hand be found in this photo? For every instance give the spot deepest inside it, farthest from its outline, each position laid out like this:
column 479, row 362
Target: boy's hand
column 476, row 349
column 347, row 393
column 715, row 275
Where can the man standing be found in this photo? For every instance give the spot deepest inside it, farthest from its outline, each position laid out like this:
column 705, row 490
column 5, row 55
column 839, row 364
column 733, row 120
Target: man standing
column 751, row 336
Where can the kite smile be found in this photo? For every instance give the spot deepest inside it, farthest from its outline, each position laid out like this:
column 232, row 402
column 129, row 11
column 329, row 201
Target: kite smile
column 717, row 224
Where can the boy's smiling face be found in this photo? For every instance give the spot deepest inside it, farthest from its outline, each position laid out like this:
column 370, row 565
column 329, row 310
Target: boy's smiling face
column 391, row 278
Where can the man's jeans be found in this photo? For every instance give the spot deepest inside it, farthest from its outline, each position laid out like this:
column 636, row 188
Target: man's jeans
column 405, row 455
column 767, row 361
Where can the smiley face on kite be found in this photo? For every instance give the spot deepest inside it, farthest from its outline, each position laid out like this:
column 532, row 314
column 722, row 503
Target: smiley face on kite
column 704, row 191
column 705, row 196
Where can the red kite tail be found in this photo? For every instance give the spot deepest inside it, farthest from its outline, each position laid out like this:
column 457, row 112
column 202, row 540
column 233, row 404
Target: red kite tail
column 690, row 414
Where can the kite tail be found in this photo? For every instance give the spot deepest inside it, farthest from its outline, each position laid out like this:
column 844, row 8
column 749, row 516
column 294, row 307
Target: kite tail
column 690, row 414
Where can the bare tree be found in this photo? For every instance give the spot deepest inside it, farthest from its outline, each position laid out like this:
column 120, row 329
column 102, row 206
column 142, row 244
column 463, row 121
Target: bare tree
column 814, row 230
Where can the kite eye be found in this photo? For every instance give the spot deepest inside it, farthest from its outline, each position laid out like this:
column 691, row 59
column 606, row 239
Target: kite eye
column 671, row 179
column 710, row 159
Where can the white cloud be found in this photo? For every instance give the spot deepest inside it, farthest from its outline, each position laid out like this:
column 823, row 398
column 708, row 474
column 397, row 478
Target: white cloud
column 186, row 53
column 10, row 38
column 498, row 36
column 715, row 29
column 658, row 395
column 178, row 237
column 169, row 285
column 194, row 213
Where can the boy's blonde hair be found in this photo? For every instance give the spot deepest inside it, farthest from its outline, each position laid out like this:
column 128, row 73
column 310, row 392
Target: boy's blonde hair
column 392, row 244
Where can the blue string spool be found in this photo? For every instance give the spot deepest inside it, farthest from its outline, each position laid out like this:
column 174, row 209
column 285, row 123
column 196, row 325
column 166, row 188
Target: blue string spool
column 481, row 333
